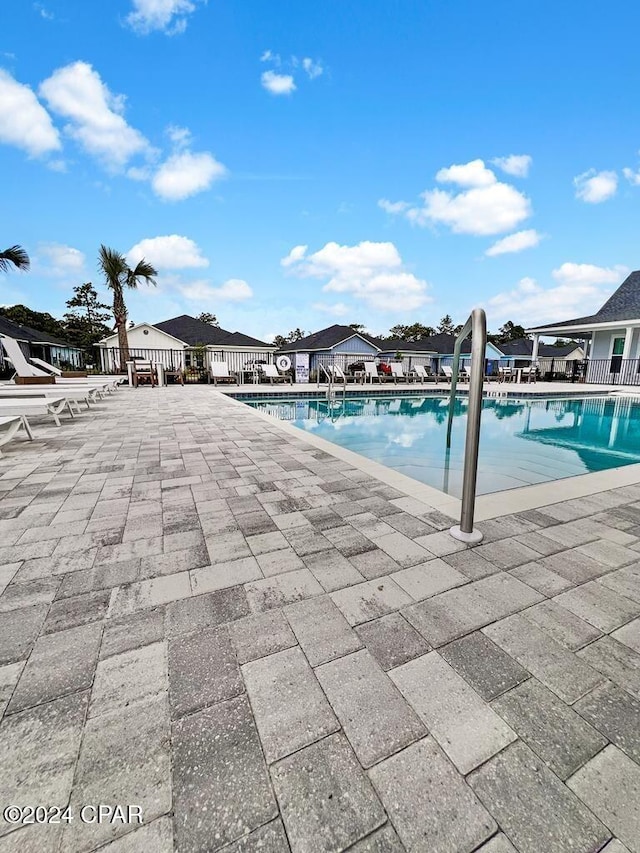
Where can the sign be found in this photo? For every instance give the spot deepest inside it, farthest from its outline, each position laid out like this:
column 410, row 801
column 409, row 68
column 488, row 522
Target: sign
column 302, row 367
column 283, row 363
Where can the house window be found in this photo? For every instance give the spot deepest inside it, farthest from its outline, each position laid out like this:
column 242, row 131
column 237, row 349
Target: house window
column 616, row 355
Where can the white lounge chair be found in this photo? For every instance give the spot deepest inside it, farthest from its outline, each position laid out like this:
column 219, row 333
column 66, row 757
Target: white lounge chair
column 397, row 372
column 220, row 373
column 371, row 372
column 20, row 364
column 9, row 426
column 423, row 373
column 271, row 372
column 336, row 373
column 34, row 406
column 447, row 372
column 110, row 383
column 73, row 395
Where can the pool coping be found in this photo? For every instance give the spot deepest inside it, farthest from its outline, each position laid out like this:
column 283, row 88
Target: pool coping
column 489, row 506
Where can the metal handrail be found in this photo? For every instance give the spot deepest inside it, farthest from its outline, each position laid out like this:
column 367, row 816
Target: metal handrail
column 477, row 326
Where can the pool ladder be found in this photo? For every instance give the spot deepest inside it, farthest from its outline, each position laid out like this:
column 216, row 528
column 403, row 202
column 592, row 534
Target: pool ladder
column 476, row 325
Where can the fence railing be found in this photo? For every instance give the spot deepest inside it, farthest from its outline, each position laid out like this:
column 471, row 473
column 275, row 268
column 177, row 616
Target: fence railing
column 613, row 371
column 194, row 360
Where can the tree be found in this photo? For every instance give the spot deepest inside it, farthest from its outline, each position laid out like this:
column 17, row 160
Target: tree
column 295, row 335
column 206, row 317
column 414, row 332
column 40, row 320
column 88, row 325
column 511, row 332
column 14, row 256
column 446, row 325
column 118, row 275
column 357, row 327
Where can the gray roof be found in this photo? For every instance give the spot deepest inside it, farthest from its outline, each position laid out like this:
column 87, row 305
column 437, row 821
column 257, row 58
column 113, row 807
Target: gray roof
column 193, row 332
column 396, row 344
column 31, row 335
column 327, row 338
column 524, row 347
column 624, row 304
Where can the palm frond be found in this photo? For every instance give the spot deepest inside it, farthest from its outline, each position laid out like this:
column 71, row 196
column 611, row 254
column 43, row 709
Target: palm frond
column 144, row 270
column 14, row 256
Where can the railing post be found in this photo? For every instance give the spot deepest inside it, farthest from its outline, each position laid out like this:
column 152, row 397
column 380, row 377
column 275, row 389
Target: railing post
column 477, row 325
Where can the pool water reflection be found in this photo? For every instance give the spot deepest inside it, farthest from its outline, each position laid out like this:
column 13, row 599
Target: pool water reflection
column 522, row 442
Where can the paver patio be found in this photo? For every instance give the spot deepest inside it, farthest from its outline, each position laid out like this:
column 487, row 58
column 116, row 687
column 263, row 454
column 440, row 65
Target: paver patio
column 267, row 649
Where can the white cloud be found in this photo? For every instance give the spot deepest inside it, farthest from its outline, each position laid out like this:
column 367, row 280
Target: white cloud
column 393, row 206
column 168, row 16
column 484, row 207
column 588, row 274
column 270, row 56
column 44, row 13
column 580, row 291
column 632, row 177
column 313, row 68
column 277, row 84
column 515, row 243
column 472, row 174
column 59, row 260
column 233, row 290
column 517, row 165
column 172, row 252
column 24, row 122
column 95, row 114
column 595, row 187
column 370, row 272
column 339, row 309
column 296, row 254
column 184, row 174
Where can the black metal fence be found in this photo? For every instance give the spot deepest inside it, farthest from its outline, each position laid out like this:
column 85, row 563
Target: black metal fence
column 613, row 371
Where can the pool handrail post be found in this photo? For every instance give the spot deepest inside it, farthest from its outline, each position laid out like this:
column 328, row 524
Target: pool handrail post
column 477, row 325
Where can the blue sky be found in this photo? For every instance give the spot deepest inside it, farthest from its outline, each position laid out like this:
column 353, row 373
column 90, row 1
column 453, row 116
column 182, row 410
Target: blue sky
column 300, row 164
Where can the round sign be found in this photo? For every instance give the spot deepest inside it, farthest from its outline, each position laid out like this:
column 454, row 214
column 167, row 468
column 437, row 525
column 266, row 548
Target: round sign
column 283, row 362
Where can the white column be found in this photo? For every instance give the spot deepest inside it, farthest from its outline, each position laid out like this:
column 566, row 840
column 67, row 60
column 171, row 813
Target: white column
column 534, row 350
column 628, row 337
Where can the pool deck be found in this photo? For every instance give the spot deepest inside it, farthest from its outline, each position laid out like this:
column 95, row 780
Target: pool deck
column 267, row 647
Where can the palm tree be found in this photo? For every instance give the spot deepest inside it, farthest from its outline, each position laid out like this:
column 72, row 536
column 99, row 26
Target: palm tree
column 118, row 275
column 16, row 257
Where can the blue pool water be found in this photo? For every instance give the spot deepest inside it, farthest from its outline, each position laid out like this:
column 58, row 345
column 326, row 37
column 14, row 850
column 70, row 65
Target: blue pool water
column 522, row 442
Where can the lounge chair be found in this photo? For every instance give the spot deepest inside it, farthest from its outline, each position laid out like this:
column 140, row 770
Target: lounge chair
column 506, row 374
column 220, row 373
column 371, row 371
column 423, row 373
column 465, row 373
column 24, row 407
column 447, row 372
column 397, row 372
column 73, row 395
column 23, row 370
column 9, row 426
column 271, row 373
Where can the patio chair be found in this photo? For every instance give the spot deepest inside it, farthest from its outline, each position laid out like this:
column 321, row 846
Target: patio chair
column 371, row 371
column 220, row 373
column 24, row 371
column 447, row 372
column 270, row 372
column 425, row 373
column 529, row 374
column 9, row 426
column 506, row 374
column 397, row 372
column 144, row 371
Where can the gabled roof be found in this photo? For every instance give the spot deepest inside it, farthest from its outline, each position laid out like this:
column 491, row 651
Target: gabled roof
column 29, row 334
column 397, row 344
column 327, row 338
column 624, row 304
column 193, row 332
column 524, row 347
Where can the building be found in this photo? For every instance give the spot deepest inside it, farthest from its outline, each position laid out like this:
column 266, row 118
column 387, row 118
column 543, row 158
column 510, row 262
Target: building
column 443, row 344
column 552, row 362
column 614, row 334
column 336, row 345
column 185, row 342
column 37, row 344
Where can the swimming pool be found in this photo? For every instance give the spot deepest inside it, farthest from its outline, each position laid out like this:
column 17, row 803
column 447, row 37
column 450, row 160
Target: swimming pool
column 522, row 442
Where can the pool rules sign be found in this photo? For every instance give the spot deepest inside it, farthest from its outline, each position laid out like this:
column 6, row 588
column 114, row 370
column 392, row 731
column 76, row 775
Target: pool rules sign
column 302, row 367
